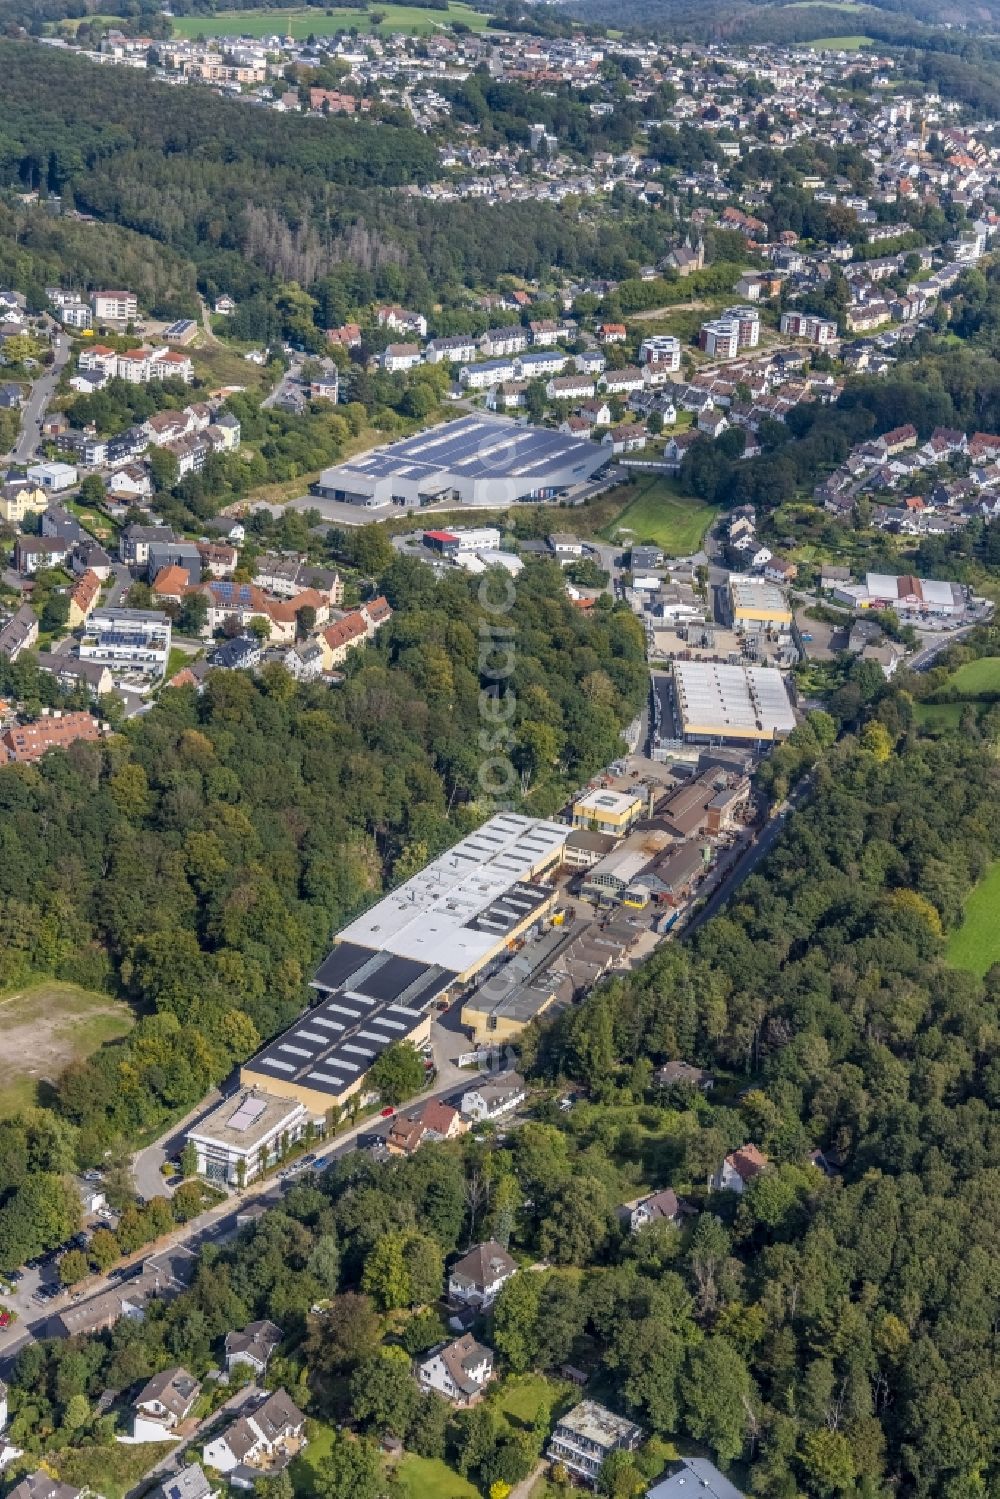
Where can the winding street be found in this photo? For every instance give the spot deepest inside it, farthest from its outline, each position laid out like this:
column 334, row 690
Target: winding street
column 35, row 407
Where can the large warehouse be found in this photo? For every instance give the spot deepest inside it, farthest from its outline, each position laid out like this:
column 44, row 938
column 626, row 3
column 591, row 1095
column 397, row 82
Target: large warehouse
column 429, row 938
column 741, row 704
column 476, row 460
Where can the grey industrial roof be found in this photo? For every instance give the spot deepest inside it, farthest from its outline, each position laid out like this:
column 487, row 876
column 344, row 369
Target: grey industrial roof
column 456, row 909
column 747, row 700
column 471, row 447
column 332, row 1045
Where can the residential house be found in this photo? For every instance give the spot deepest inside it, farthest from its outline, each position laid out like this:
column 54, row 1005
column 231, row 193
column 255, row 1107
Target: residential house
column 622, row 382
column 587, row 1436
column 162, row 1404
column 460, row 1371
column 26, row 743
column 432, row 1121
column 90, row 557
column 476, row 1279
column 34, row 552
column 685, row 1075
column 260, row 1444
column 253, row 1346
column 20, row 499
column 171, row 583
column 42, row 1485
column 570, row 388
column 495, row 1097
column 696, row 1475
column 659, row 1207
column 344, row 636
column 242, row 653
column 401, row 320
column 459, row 349
column 218, row 559
column 134, row 543
column 19, row 633
column 189, row 1483
column 595, row 413
column 133, row 642
column 497, row 342
column 69, row 672
column 630, row 437
column 612, row 333
column 739, row 1169
column 83, row 599
column 399, row 357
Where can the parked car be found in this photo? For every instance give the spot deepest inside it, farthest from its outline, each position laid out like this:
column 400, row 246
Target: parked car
column 388, row 1112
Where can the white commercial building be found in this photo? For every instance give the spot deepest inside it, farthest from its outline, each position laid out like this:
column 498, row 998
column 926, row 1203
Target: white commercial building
column 53, row 477
column 244, row 1136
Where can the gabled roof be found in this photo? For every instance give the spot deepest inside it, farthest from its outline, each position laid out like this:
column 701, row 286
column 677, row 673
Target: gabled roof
column 484, row 1265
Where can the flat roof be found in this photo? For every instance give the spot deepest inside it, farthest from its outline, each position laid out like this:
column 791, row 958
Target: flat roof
column 608, row 802
column 754, row 593
column 334, row 1044
column 245, row 1121
column 472, row 447
column 455, row 910
column 750, row 701
column 595, row 1423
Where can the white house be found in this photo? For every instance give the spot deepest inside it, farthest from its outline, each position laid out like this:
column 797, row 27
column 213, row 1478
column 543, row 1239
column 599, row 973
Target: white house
column 658, row 1207
column 265, row 1440
column 398, row 357
column 476, row 1279
column 494, row 1097
column 739, row 1169
column 460, row 1371
column 162, row 1405
column 253, row 1346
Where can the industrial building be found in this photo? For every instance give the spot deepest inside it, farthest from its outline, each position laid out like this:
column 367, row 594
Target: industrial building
column 609, row 811
column 476, row 460
column 757, row 605
column 903, row 592
column 715, row 702
column 454, row 921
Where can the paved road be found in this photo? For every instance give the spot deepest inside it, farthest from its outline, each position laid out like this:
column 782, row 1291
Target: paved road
column 219, row 1222
column 289, row 381
column 41, row 394
column 751, row 857
column 121, row 582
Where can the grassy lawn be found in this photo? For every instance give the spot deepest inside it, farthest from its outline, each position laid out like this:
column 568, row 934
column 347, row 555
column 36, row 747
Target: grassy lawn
column 429, row 1478
column 109, row 1470
column 939, row 715
column 841, row 43
column 975, row 945
column 308, row 1465
column 45, row 1027
column 415, row 20
column 977, row 677
column 522, row 1396
column 658, row 513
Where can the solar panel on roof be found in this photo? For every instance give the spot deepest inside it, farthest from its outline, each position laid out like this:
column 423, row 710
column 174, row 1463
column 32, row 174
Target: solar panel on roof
column 247, row 1114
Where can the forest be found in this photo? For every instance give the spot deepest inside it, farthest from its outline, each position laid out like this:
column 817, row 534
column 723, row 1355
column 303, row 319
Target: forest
column 248, row 196
column 830, row 1332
